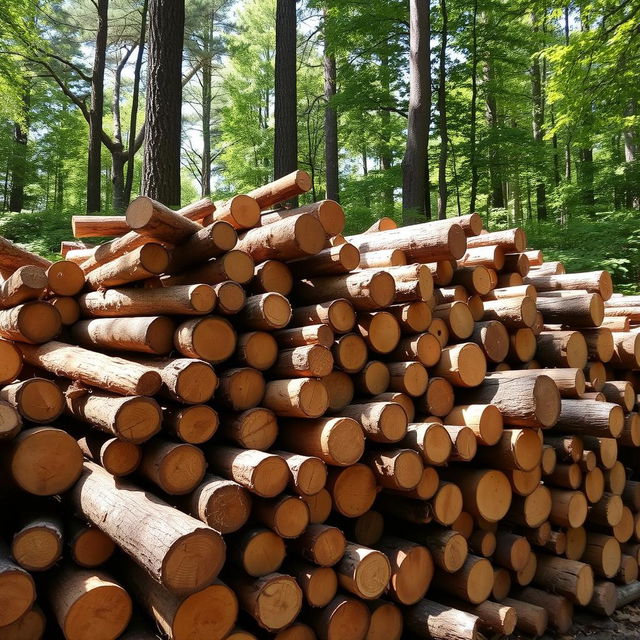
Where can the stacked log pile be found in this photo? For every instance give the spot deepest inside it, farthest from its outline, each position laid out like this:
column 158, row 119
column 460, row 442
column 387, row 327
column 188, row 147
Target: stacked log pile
column 231, row 421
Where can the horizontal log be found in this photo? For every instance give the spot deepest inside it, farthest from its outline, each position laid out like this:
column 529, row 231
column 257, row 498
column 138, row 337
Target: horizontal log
column 241, row 212
column 34, row 322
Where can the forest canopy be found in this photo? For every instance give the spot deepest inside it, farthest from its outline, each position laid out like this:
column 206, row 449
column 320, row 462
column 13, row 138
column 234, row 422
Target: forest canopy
column 527, row 112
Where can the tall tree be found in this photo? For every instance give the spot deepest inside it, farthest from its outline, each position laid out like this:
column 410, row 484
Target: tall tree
column 538, row 125
column 473, row 115
column 285, row 152
column 18, row 156
column 330, row 112
column 161, row 178
column 415, row 161
column 442, row 113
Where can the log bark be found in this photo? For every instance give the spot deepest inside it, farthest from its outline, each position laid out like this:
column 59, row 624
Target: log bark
column 284, row 188
column 338, row 314
column 296, row 398
column 363, row 572
column 209, row 338
column 32, row 323
column 569, row 578
column 24, row 284
column 255, row 428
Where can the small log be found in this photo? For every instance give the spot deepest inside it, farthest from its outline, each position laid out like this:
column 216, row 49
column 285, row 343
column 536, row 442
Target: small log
column 512, row 551
column 364, row 572
column 266, row 311
column 463, row 365
column 231, row 297
column 593, row 281
column 29, row 626
column 626, row 350
column 36, row 399
column 340, row 389
column 80, row 596
column 589, row 417
column 296, row 398
column 463, row 440
column 568, row 508
column 206, row 243
column 484, row 420
column 501, row 584
column 568, row 578
column 222, row 504
column 517, row 448
column 514, row 313
column 37, row 544
column 373, row 379
column 320, row 544
column 257, row 551
column 558, row 608
column 321, row 334
column 438, row 328
column 24, row 284
column 531, row 618
column 482, row 543
column 241, row 212
column 234, row 265
column 430, row 439
column 332, row 261
column 350, row 352
column 438, row 399
column 261, row 473
column 414, row 317
column 383, row 422
column 491, row 257
column 382, row 258
column 240, row 389
column 89, row 547
column 568, row 448
column 271, row 276
column 32, row 323
column 343, row 618
column 337, row 314
column 399, row 469
column 319, row 584
column 458, row 318
column 285, row 188
column 10, row 421
column 255, row 428
column 307, row 474
column 472, row 583
column 118, row 457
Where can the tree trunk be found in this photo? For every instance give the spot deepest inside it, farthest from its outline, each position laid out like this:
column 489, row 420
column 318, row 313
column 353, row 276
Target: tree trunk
column 496, row 197
column 205, row 169
column 474, row 106
column 118, row 159
column 94, row 167
column 442, row 110
column 538, row 124
column 631, row 160
column 134, row 105
column 285, row 149
column 415, row 168
column 586, row 177
column 19, row 155
column 386, row 156
column 330, row 117
column 164, row 101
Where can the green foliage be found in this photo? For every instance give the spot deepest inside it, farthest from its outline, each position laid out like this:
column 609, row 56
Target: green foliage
column 41, row 232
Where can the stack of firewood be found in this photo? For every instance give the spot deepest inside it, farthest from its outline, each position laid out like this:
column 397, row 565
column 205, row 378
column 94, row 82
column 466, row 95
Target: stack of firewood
column 231, row 421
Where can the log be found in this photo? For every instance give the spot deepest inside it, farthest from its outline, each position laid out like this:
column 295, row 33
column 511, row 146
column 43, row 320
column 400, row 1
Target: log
column 603, row 553
column 10, row 362
column 382, row 258
column 319, row 584
column 29, row 626
column 531, row 618
column 37, row 544
column 383, row 422
column 492, row 337
column 486, row 492
column 321, row 334
column 426, row 242
column 593, row 485
column 516, row 449
column 307, row 474
column 430, row 439
column 67, row 307
column 144, row 262
column 438, row 328
column 32, row 323
column 566, row 476
column 336, row 441
column 257, row 551
column 118, row 457
column 10, row 421
column 428, row 619
column 37, row 400
column 485, row 420
column 89, row 547
column 343, row 618
column 363, row 572
column 231, row 297
column 516, row 263
column 444, row 507
column 340, row 389
column 589, row 417
column 482, row 543
column 512, row 551
column 569, row 578
column 568, row 508
column 81, row 597
column 177, row 468
column 222, row 504
column 530, row 401
column 353, row 489
column 307, row 361
column 457, row 317
column 472, row 583
column 255, row 428
column 438, row 399
column 287, row 516
column 152, row 334
column 24, row 284
column 463, row 365
column 44, row 461
column 176, row 300
column 209, row 338
column 608, row 511
column 263, row 474
column 234, row 265
column 332, row 261
column 338, row 314
column 491, row 257
column 350, row 352
column 241, row 212
column 185, row 556
column 18, row 589
column 296, row 398
column 373, row 379
column 577, row 311
column 593, row 281
column 399, row 469
column 271, row 276
column 365, row 290
column 386, row 621
column 266, row 311
column 626, row 350
column 510, row 240
column 463, row 440
column 240, row 389
column 501, row 584
column 514, row 313
column 320, row 544
column 474, row 279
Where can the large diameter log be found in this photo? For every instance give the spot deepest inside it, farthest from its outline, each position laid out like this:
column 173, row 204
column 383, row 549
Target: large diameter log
column 152, row 334
column 296, row 398
column 93, row 368
column 344, row 618
column 207, row 614
column 364, row 572
column 81, row 598
column 366, row 290
column 337, row 314
column 485, row 420
column 24, row 284
column 273, row 601
column 294, row 237
column 336, row 441
column 209, row 338
column 185, row 555
column 463, row 365
column 590, row 417
column 32, row 323
column 36, row 399
column 426, row 242
column 144, row 262
column 44, row 461
column 593, row 281
column 262, row 473
column 568, row 578
column 486, row 493
column 198, row 299
column 411, row 569
column 530, row 401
